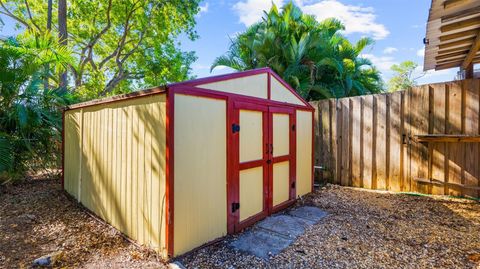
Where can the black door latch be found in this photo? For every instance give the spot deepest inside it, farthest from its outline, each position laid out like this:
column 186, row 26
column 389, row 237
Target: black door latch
column 235, row 128
column 235, row 207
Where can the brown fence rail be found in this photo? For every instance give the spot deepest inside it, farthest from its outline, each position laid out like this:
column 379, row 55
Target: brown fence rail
column 426, row 139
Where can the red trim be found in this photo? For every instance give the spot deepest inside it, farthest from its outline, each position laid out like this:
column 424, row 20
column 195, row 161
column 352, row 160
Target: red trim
column 237, row 106
column 118, row 98
column 282, row 206
column 63, row 149
column 280, row 159
column 251, row 164
column 212, row 79
column 293, row 150
column 269, row 86
column 169, row 172
column 286, row 85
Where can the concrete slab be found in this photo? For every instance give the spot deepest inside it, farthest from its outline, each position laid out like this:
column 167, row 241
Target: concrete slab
column 285, row 225
column 310, row 213
column 270, row 236
column 261, row 243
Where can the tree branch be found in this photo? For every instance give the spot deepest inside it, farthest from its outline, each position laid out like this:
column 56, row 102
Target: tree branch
column 30, row 16
column 11, row 15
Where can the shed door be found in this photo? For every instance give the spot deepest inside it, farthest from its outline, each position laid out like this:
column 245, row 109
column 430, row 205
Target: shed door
column 282, row 155
column 250, row 136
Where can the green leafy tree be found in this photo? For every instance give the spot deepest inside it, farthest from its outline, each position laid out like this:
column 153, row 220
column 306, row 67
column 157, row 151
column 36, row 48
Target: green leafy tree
column 118, row 44
column 403, row 78
column 313, row 57
column 30, row 116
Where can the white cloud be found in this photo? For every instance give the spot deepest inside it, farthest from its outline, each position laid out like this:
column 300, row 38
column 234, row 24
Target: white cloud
column 357, row 19
column 390, row 50
column 251, row 11
column 383, row 63
column 421, row 52
column 203, row 10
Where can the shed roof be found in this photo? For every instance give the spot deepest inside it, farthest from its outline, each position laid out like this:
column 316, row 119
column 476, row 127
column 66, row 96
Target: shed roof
column 452, row 38
column 192, row 83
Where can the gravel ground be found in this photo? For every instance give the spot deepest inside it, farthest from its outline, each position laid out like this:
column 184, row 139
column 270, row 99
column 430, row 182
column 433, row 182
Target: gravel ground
column 364, row 229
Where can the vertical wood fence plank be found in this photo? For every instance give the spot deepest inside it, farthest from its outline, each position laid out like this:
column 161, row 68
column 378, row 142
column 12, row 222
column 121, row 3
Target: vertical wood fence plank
column 455, row 150
column 472, row 125
column 380, row 146
column 324, row 108
column 395, row 142
column 367, row 141
column 345, row 164
column 439, row 149
column 333, row 138
column 339, row 137
column 356, row 144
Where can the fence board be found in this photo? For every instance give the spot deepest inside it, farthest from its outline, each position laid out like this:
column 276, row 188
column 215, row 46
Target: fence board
column 356, row 157
column 472, row 127
column 367, row 141
column 454, row 126
column 371, row 141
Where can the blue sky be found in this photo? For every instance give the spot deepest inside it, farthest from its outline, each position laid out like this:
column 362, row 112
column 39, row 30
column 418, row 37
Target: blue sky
column 398, row 27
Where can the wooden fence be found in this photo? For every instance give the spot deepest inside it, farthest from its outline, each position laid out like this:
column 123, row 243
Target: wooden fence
column 426, row 139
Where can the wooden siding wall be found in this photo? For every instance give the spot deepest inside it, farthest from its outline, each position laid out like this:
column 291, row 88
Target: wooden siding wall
column 370, row 141
column 115, row 165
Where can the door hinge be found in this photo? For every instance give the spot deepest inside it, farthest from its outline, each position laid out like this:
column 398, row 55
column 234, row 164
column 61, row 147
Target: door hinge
column 235, row 128
column 293, row 127
column 293, row 185
column 235, row 207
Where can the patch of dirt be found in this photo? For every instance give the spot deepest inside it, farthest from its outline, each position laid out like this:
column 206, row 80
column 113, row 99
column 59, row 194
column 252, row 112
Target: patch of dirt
column 370, row 229
column 37, row 218
column 363, row 229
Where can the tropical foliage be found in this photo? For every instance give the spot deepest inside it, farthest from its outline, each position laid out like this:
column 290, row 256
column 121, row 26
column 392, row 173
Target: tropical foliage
column 403, row 78
column 30, row 116
column 119, row 45
column 313, row 57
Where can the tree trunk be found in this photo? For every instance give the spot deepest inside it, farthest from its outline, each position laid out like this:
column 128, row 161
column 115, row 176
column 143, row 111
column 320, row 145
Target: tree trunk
column 62, row 33
column 49, row 28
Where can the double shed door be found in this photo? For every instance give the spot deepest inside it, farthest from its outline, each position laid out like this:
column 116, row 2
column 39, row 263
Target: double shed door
column 264, row 162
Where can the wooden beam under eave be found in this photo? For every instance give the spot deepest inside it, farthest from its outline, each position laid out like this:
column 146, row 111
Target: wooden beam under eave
column 469, row 33
column 451, row 55
column 453, row 3
column 472, row 53
column 447, row 51
column 462, row 42
column 460, row 24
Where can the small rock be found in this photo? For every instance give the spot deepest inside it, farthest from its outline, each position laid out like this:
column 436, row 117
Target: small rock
column 47, row 260
column 344, row 238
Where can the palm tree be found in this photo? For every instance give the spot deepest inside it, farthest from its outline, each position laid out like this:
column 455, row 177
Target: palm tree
column 313, row 57
column 30, row 116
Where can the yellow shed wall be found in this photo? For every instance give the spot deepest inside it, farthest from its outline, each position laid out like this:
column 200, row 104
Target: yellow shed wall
column 115, row 165
column 200, row 171
column 282, row 94
column 304, row 152
column 281, row 186
column 255, row 86
column 251, row 192
column 73, row 151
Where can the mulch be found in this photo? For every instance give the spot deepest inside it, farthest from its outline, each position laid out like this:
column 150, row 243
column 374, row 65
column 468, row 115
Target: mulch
column 363, row 229
column 37, row 218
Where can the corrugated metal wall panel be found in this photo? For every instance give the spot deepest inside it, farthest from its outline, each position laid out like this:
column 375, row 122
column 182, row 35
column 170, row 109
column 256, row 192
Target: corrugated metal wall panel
column 121, row 166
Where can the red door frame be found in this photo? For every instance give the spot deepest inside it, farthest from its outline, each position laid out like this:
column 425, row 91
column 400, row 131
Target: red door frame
column 237, row 166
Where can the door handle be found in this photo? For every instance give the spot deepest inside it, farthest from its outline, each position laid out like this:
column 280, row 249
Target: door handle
column 271, row 148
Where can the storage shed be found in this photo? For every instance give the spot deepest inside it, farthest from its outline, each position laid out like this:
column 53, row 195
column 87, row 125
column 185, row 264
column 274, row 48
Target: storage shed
column 179, row 166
